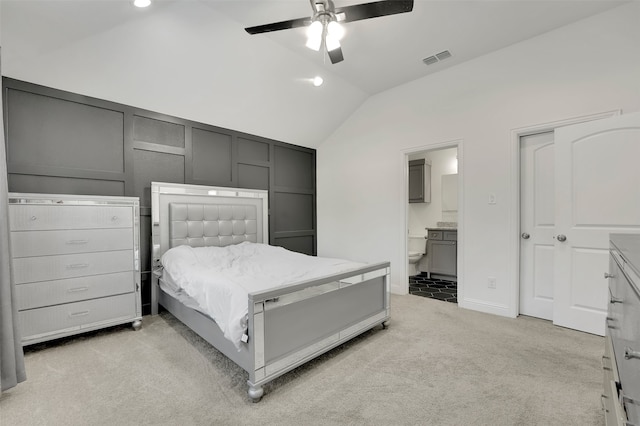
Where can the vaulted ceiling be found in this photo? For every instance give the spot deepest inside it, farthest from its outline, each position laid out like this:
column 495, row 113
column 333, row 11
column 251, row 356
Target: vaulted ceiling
column 201, row 45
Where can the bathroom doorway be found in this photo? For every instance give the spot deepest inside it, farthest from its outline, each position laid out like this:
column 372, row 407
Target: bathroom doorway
column 433, row 221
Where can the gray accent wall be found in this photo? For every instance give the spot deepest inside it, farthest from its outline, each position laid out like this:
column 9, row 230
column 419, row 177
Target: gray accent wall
column 65, row 143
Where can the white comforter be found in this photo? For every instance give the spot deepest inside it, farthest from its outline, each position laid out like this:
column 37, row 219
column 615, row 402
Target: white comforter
column 219, row 279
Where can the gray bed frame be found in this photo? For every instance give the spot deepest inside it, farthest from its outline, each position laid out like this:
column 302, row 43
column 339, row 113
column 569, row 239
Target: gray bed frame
column 288, row 325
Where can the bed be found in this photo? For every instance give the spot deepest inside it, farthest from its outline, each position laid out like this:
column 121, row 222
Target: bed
column 287, row 324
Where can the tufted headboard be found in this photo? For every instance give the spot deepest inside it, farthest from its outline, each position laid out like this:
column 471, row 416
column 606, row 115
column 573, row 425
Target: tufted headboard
column 200, row 225
column 205, row 216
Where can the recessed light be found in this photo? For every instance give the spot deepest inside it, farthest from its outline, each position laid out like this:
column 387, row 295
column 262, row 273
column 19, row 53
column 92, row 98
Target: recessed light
column 141, row 3
column 317, row 81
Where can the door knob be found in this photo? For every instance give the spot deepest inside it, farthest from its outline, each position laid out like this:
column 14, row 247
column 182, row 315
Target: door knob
column 562, row 238
column 630, row 353
column 525, row 236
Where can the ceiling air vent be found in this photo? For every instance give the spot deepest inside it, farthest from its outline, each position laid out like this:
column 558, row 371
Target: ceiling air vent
column 430, row 60
column 443, row 55
column 437, row 58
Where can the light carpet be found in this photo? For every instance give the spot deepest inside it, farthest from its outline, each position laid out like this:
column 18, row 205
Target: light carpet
column 436, row 364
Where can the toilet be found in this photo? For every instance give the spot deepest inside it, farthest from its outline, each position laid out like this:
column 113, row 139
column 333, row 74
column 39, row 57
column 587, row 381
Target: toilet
column 417, row 246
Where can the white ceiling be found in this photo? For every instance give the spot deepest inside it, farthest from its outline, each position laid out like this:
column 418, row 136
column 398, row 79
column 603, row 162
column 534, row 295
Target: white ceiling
column 385, row 52
column 379, row 53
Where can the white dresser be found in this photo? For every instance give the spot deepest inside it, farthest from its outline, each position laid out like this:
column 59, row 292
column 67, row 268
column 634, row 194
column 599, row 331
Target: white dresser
column 621, row 361
column 75, row 263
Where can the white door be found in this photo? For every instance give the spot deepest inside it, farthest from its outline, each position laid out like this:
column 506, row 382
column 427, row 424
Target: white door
column 537, row 224
column 597, row 182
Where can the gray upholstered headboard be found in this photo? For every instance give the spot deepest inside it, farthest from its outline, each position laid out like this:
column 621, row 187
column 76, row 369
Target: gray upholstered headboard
column 203, row 225
column 206, row 216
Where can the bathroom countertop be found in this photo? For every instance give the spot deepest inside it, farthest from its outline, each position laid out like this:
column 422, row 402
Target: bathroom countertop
column 444, row 226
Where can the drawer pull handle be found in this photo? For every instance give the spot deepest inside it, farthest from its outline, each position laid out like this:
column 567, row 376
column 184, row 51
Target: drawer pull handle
column 77, row 289
column 33, row 218
column 114, row 218
column 78, row 266
column 78, row 314
column 77, row 242
column 614, row 300
column 608, row 275
column 630, row 353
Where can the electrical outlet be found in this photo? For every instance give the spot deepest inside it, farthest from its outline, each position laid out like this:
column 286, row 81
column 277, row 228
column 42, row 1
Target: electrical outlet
column 491, row 282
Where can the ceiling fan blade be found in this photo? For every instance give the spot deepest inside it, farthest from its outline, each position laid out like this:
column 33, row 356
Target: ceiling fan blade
column 277, row 26
column 375, row 9
column 335, row 55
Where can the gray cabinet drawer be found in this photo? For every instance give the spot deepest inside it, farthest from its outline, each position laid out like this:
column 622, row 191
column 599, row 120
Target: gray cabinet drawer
column 450, row 235
column 37, row 323
column 46, row 268
column 49, row 293
column 435, row 235
column 42, row 243
column 443, row 235
column 31, row 217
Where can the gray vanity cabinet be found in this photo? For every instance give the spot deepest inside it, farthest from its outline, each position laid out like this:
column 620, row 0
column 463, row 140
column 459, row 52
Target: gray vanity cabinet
column 442, row 252
column 419, row 181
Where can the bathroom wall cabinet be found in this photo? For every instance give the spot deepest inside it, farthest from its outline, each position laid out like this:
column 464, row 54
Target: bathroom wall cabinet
column 442, row 252
column 419, row 181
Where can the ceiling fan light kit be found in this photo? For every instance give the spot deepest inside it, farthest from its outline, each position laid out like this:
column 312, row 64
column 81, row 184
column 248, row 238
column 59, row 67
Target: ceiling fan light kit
column 141, row 3
column 314, row 35
column 324, row 25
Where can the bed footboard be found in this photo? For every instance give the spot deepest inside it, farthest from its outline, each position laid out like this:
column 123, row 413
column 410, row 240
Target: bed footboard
column 293, row 324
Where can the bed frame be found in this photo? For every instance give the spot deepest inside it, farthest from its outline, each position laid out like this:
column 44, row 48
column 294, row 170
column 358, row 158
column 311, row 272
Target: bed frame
column 288, row 325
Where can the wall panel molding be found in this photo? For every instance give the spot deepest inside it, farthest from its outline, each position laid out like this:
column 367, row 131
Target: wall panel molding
column 118, row 150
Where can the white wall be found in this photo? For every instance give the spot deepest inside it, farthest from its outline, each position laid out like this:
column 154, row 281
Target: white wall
column 584, row 68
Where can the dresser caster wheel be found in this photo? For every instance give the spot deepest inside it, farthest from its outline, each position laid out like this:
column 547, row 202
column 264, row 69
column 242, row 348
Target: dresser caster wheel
column 136, row 325
column 385, row 325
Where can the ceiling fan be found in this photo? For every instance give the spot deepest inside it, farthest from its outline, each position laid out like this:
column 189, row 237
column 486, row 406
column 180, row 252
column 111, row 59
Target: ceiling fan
column 324, row 26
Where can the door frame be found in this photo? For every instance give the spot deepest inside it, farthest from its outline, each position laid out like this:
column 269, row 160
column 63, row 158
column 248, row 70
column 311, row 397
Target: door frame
column 514, row 209
column 404, row 158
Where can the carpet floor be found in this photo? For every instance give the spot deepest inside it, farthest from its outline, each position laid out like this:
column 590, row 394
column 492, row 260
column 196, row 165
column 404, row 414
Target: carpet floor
column 436, row 364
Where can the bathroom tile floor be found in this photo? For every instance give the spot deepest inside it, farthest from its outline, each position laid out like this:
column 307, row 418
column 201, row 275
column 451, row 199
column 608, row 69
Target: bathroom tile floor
column 434, row 288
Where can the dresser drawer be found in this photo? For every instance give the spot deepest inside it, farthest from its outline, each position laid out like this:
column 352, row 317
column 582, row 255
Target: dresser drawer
column 609, row 365
column 49, row 293
column 31, row 217
column 624, row 318
column 37, row 323
column 47, row 268
column 613, row 412
column 42, row 243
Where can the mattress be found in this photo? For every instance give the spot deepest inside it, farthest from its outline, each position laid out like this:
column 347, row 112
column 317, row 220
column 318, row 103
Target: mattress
column 217, row 280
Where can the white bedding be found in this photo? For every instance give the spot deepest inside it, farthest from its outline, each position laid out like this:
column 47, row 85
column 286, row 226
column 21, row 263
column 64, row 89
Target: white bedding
column 219, row 279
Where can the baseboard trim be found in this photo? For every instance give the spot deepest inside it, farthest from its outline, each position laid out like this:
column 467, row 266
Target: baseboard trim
column 484, row 306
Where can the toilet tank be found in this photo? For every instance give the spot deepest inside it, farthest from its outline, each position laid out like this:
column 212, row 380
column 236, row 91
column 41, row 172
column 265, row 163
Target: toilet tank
column 417, row 243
